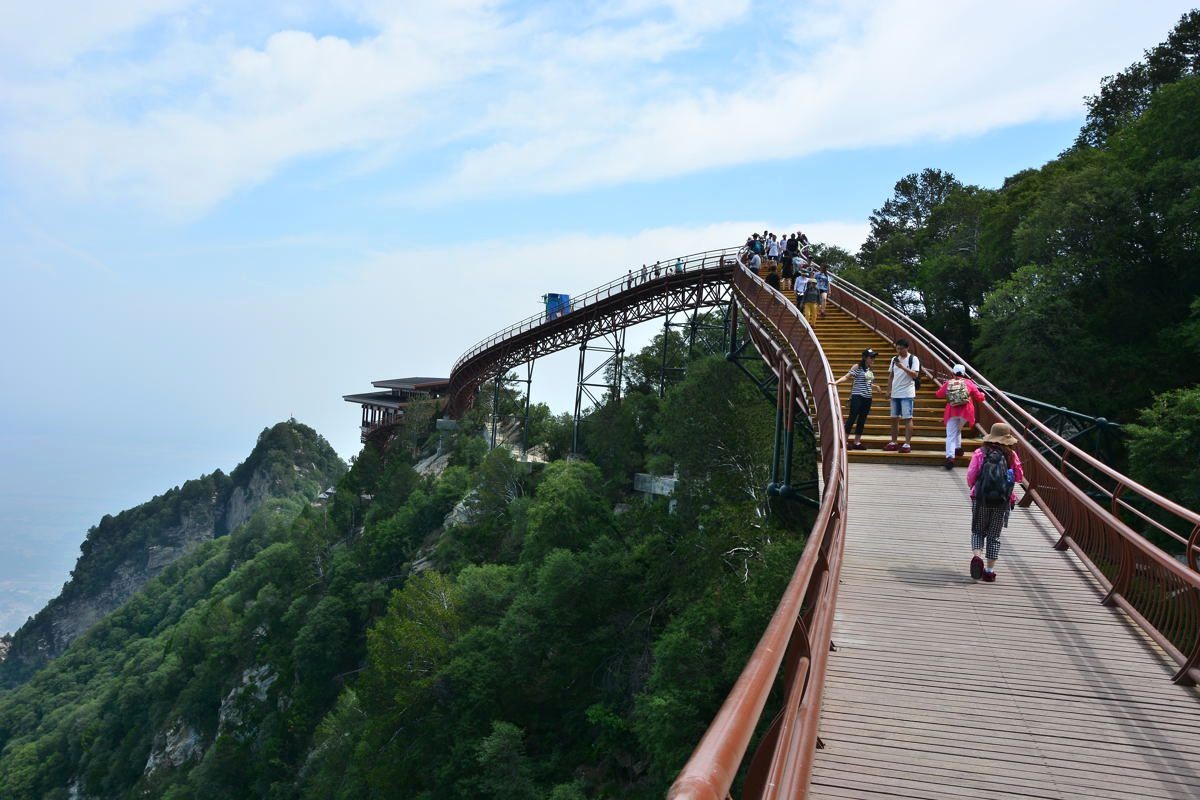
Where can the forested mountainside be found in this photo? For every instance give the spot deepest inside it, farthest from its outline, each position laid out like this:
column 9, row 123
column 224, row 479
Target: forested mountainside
column 493, row 631
column 123, row 552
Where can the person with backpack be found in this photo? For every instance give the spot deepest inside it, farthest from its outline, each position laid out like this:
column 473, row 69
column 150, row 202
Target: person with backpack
column 860, row 396
column 904, row 378
column 961, row 394
column 994, row 472
column 810, row 297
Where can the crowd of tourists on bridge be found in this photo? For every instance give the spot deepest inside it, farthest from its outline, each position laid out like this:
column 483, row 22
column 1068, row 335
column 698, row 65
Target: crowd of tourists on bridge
column 785, row 262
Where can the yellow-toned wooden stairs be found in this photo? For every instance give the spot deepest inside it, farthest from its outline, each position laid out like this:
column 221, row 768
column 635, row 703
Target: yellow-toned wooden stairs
column 843, row 338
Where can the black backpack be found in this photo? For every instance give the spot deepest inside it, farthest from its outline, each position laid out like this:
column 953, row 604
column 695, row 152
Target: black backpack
column 994, row 488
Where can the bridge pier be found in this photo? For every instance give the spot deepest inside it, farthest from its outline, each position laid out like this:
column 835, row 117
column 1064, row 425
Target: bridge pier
column 528, row 381
column 614, row 345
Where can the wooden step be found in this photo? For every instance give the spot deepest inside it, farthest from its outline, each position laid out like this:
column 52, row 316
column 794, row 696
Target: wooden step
column 924, row 457
column 923, row 443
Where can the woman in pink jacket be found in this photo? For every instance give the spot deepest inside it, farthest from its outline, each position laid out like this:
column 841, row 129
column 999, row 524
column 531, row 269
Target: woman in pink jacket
column 961, row 394
column 993, row 474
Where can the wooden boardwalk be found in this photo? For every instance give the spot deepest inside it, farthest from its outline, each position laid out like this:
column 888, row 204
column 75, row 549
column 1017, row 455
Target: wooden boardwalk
column 943, row 688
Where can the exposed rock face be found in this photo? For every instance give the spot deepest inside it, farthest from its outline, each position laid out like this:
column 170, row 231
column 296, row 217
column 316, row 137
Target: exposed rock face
column 249, row 695
column 5, row 643
column 174, row 747
column 125, row 552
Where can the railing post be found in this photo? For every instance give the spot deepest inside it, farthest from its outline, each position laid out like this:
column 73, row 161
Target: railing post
column 773, row 486
column 1193, row 543
column 1124, row 576
column 495, row 409
column 789, row 442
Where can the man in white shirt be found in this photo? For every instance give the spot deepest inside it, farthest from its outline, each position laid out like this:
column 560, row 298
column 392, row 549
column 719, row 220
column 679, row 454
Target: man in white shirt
column 902, row 376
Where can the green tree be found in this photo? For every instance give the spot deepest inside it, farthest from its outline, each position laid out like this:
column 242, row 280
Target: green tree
column 1164, row 449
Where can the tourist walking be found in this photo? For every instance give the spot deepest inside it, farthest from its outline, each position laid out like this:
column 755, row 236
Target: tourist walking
column 811, row 297
column 993, row 474
column 789, row 272
column 860, row 396
column 961, row 394
column 822, row 278
column 903, row 374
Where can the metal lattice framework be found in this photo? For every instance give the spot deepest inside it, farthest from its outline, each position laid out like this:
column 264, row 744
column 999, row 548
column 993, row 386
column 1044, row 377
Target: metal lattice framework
column 701, row 280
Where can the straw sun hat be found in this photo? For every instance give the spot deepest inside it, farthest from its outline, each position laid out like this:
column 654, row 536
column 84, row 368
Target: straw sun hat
column 1001, row 433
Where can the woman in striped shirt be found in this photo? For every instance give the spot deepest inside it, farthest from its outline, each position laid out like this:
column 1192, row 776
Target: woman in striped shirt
column 860, row 396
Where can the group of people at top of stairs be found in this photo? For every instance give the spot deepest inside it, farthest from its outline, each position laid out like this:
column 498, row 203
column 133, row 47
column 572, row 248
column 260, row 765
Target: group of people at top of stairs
column 785, row 262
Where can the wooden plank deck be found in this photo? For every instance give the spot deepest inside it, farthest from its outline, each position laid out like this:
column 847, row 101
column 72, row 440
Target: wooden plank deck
column 943, row 688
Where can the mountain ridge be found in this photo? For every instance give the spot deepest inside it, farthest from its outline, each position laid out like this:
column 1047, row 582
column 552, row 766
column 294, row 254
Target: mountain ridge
column 122, row 553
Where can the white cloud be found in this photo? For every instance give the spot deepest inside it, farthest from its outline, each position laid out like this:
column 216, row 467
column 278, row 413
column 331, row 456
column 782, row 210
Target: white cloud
column 543, row 100
column 53, row 33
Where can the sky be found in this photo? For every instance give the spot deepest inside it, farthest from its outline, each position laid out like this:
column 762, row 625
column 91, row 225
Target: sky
column 217, row 215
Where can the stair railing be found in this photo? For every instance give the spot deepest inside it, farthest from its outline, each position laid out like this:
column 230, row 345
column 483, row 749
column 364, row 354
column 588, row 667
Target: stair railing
column 798, row 638
column 1086, row 500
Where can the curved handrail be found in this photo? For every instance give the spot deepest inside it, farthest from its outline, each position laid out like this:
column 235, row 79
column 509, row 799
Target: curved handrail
column 1159, row 593
column 798, row 635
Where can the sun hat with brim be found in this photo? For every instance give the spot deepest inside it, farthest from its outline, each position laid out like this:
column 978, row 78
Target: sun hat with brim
column 1001, row 433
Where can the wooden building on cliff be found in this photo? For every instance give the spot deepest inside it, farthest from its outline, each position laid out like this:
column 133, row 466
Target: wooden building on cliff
column 386, row 407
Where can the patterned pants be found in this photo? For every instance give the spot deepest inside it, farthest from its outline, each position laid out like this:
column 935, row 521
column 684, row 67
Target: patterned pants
column 986, row 522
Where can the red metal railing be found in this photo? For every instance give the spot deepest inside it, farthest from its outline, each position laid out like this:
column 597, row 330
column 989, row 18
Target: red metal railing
column 1086, row 500
column 797, row 640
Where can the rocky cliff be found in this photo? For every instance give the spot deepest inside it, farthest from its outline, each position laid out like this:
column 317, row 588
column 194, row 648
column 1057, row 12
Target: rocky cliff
column 290, row 462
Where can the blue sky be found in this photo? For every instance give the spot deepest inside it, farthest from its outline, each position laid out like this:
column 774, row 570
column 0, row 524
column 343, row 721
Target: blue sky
column 214, row 215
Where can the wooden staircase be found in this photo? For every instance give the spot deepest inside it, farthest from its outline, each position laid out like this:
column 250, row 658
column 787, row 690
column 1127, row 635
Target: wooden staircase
column 844, row 338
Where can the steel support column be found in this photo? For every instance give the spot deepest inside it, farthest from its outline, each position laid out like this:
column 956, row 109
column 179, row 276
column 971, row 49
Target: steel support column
column 614, row 345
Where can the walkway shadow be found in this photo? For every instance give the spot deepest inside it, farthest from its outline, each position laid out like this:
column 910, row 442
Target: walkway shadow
column 930, row 575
